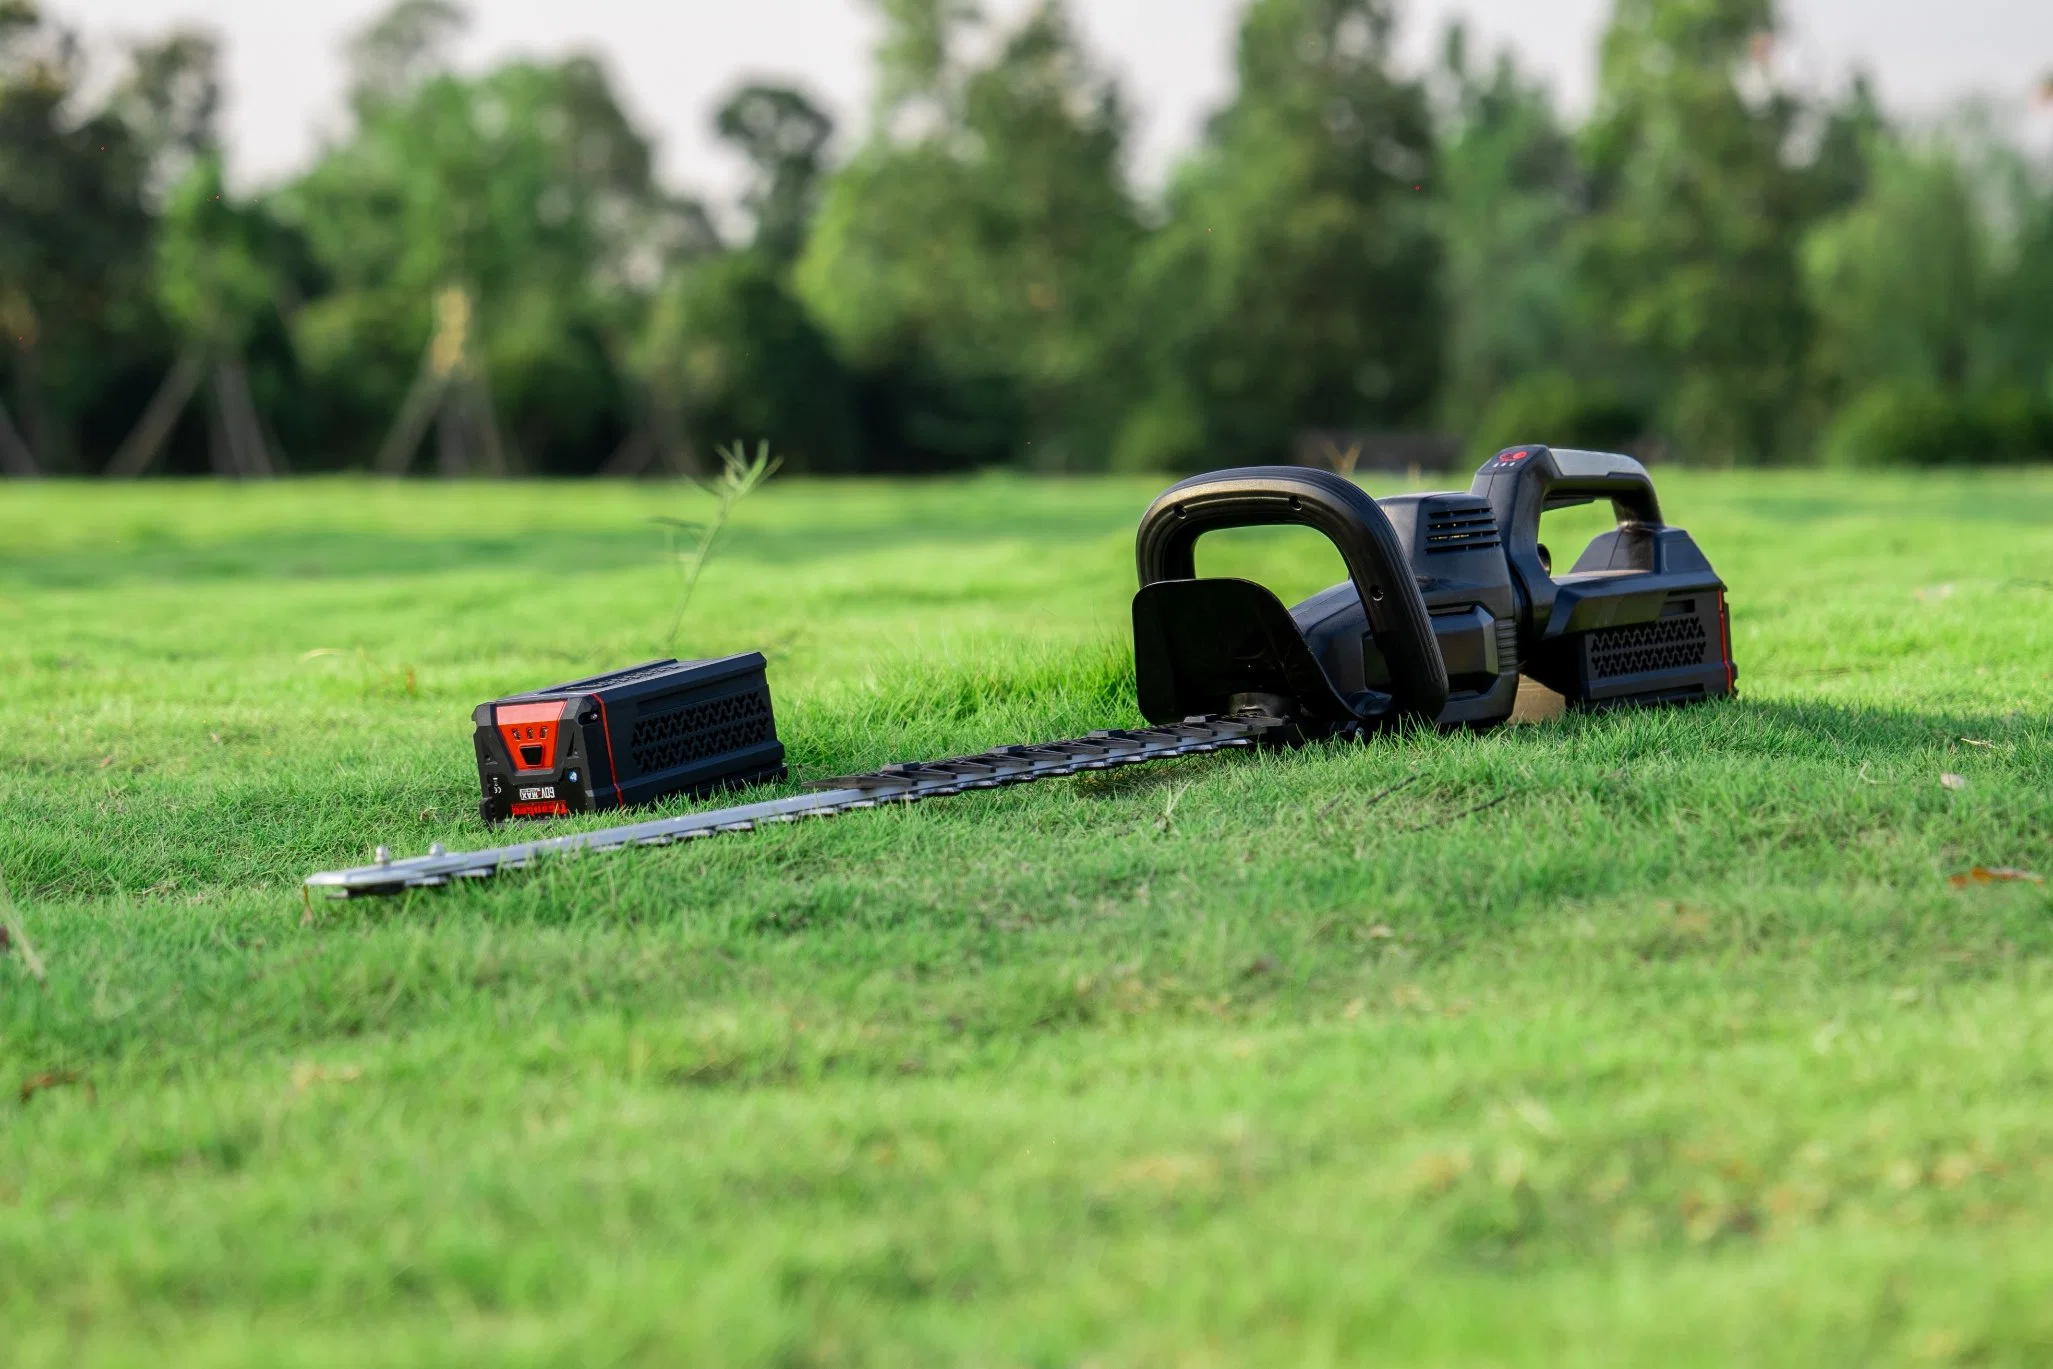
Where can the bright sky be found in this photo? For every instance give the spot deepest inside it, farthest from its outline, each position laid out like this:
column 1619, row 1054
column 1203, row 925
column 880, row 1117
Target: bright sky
column 674, row 58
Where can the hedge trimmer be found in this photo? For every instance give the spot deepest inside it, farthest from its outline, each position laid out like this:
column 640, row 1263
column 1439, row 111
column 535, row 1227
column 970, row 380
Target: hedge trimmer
column 1450, row 598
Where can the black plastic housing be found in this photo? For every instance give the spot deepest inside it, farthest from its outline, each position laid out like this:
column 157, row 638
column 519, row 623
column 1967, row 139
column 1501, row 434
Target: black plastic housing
column 1449, row 599
column 1455, row 552
column 630, row 737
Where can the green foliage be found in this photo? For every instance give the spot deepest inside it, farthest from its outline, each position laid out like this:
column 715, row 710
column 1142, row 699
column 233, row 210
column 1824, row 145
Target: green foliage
column 401, row 50
column 1717, row 264
column 916, row 60
column 1937, row 285
column 1689, row 268
column 982, row 258
column 213, row 277
column 1926, row 425
column 2015, row 339
column 1506, row 198
column 784, row 135
column 171, row 100
column 74, row 245
column 1296, row 283
column 1557, row 407
column 1899, row 282
column 527, row 186
column 727, row 351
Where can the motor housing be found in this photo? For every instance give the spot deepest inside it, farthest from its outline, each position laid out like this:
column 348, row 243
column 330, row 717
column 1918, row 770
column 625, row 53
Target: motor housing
column 1449, row 600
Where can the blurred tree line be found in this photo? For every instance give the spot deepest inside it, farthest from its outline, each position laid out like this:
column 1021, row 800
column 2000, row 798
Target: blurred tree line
column 483, row 274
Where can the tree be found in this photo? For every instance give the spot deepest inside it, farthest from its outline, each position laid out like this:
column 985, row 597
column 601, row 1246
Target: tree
column 1297, row 282
column 1934, row 295
column 730, row 356
column 784, row 136
column 1900, row 281
column 1506, row 198
column 919, row 72
column 215, row 260
column 171, row 102
column 74, row 250
column 2015, row 193
column 215, row 283
column 1689, row 265
column 487, row 246
column 407, row 46
column 971, row 259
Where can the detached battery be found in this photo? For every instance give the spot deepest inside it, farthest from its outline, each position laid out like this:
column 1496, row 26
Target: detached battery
column 631, row 737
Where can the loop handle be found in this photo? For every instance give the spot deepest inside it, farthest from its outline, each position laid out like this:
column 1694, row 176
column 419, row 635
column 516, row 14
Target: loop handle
column 1258, row 496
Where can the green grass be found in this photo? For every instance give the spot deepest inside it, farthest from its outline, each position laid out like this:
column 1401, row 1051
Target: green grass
column 1687, row 1052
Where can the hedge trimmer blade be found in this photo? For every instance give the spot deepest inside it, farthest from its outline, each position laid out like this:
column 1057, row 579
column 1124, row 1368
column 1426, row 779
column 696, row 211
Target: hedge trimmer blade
column 909, row 783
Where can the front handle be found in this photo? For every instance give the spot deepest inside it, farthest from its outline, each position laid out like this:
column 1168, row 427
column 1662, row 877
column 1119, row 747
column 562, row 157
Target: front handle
column 1258, row 496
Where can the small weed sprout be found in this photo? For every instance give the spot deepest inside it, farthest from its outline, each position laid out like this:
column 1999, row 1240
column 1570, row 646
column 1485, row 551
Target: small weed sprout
column 740, row 476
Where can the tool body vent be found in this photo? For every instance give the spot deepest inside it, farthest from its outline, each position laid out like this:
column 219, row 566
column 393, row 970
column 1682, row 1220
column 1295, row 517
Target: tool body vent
column 1460, row 524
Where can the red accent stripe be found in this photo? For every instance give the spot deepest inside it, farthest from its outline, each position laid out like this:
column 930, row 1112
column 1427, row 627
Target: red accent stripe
column 607, row 728
column 1725, row 627
column 547, row 808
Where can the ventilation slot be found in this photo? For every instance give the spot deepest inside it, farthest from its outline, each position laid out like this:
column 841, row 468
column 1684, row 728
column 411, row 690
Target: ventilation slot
column 701, row 731
column 1669, row 644
column 1464, row 526
column 1507, row 646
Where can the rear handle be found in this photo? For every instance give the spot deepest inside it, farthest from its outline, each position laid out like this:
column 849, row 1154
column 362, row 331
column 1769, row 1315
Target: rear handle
column 1523, row 482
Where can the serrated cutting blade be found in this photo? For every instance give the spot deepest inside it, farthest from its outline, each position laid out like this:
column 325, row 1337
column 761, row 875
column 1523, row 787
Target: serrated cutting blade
column 907, row 783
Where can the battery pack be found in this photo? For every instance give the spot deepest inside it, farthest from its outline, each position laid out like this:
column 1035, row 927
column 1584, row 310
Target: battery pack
column 631, row 737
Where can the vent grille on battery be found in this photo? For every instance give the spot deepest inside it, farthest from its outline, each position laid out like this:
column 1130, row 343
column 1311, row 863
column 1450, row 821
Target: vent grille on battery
column 701, row 731
column 1460, row 525
column 1668, row 644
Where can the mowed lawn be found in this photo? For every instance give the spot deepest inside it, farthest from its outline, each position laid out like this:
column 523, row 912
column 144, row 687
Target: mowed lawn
column 1615, row 1040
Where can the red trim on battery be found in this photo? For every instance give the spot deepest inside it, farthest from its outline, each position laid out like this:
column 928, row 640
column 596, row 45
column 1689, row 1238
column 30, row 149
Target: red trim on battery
column 607, row 728
column 547, row 808
column 529, row 732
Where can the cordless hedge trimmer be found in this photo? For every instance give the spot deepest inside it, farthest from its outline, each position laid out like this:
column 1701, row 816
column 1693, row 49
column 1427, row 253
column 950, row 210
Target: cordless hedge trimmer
column 1450, row 597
